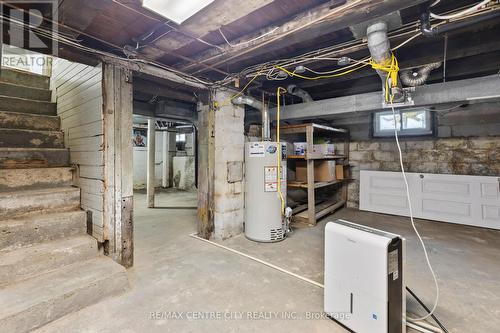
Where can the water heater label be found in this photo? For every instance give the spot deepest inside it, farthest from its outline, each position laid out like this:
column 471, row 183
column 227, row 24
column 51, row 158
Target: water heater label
column 271, row 179
column 257, row 150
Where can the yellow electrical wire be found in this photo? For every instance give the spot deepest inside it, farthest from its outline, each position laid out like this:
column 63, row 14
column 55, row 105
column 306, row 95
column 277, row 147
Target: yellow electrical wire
column 321, row 76
column 280, row 150
column 392, row 69
column 227, row 101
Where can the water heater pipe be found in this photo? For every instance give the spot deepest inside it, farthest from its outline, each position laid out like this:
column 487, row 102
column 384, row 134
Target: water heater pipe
column 264, row 111
column 302, row 94
column 380, row 50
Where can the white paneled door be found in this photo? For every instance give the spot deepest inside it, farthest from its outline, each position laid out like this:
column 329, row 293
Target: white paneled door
column 469, row 200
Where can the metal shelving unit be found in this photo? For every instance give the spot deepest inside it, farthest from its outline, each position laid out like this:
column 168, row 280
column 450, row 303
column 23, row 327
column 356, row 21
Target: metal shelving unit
column 313, row 211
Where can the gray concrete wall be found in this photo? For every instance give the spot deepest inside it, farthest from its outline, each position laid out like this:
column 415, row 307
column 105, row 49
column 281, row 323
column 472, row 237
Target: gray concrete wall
column 467, row 143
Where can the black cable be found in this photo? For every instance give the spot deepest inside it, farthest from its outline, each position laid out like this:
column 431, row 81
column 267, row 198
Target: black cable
column 427, row 309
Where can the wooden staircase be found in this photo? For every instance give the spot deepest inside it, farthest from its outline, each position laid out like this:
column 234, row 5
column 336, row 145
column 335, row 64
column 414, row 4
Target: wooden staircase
column 49, row 266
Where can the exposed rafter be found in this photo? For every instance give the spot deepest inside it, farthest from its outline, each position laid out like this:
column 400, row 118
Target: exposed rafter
column 352, row 12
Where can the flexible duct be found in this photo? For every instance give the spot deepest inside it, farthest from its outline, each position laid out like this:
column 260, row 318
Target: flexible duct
column 417, row 78
column 264, row 111
column 302, row 94
column 380, row 50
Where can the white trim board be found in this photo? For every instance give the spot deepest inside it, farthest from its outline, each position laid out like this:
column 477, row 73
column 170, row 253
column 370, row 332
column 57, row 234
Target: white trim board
column 468, row 200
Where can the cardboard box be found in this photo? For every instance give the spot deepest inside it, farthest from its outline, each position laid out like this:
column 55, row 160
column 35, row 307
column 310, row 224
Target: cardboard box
column 340, row 172
column 325, row 149
column 324, row 171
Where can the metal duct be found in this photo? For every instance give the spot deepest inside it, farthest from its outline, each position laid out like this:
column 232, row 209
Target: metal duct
column 417, row 78
column 302, row 94
column 429, row 31
column 380, row 50
column 264, row 110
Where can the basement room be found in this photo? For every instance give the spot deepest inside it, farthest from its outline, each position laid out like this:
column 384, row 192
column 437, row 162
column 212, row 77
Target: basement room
column 250, row 166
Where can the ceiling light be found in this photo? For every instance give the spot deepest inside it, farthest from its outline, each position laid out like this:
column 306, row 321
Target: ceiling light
column 176, row 10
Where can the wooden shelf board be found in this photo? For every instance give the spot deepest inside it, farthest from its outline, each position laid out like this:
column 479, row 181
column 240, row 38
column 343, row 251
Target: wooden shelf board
column 322, row 210
column 324, row 157
column 316, row 185
column 302, row 128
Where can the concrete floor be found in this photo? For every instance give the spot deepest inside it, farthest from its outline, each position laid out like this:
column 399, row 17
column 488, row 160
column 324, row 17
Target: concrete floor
column 176, row 274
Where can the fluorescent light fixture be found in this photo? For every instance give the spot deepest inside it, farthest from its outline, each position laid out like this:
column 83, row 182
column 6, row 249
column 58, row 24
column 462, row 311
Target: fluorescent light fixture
column 176, row 10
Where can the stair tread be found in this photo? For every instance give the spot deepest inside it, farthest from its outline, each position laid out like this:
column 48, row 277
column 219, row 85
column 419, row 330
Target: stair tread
column 28, row 131
column 40, row 217
column 29, row 114
column 50, row 190
column 27, row 230
column 31, row 149
column 9, row 257
column 35, row 178
column 21, row 86
column 26, row 99
column 20, row 71
column 64, row 281
column 68, row 168
column 29, row 261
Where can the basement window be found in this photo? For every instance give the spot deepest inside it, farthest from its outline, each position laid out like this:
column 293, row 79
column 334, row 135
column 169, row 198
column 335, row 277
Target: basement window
column 408, row 123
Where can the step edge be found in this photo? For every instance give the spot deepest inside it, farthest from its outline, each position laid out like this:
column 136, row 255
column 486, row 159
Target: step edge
column 48, row 190
column 10, row 69
column 28, row 100
column 32, row 130
column 85, row 242
column 107, row 276
column 23, row 86
column 30, row 114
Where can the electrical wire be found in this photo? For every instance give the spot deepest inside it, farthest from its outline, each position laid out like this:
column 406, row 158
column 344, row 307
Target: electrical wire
column 227, row 101
column 321, row 76
column 408, row 197
column 461, row 13
column 249, row 41
column 61, row 38
column 427, row 309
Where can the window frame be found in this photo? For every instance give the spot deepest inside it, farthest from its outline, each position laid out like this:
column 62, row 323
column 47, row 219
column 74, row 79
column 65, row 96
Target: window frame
column 430, row 130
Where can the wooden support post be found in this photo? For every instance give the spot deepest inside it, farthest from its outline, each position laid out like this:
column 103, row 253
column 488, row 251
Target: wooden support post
column 206, row 172
column 118, row 164
column 151, row 165
column 165, row 158
column 311, row 195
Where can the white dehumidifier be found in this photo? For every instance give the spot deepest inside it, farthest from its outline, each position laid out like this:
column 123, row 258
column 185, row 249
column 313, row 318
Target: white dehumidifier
column 364, row 281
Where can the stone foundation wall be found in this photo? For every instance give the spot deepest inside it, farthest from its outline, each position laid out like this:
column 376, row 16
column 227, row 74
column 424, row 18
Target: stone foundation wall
column 477, row 156
column 229, row 195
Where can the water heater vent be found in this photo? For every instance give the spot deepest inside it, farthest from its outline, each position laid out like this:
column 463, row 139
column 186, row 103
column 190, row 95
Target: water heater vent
column 276, row 234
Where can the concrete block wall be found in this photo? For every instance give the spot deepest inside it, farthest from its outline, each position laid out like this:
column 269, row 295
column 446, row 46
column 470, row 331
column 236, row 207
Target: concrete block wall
column 478, row 156
column 229, row 152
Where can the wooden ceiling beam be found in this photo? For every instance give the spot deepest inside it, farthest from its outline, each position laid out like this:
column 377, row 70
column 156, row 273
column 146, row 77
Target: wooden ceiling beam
column 204, row 22
column 351, row 13
column 80, row 19
column 423, row 51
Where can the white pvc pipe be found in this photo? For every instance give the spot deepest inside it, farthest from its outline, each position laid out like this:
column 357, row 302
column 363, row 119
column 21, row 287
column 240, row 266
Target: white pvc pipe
column 462, row 13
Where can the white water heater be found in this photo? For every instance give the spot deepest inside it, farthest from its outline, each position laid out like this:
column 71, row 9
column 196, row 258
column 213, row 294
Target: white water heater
column 263, row 215
column 364, row 281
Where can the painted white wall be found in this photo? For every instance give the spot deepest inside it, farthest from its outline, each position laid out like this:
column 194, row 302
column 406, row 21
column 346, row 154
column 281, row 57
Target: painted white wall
column 77, row 89
column 141, row 160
